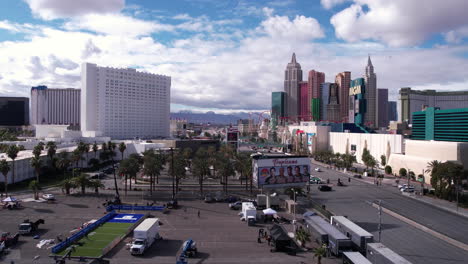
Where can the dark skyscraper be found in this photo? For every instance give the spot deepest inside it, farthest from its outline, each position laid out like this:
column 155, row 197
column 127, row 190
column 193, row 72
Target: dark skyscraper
column 371, row 118
column 392, row 111
column 292, row 77
column 278, row 105
column 333, row 104
column 382, row 102
column 14, row 111
column 343, row 80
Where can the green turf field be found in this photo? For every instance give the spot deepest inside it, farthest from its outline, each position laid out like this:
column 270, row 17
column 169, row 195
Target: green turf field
column 97, row 240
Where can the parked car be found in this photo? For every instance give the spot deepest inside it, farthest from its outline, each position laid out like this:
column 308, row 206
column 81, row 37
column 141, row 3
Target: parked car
column 315, row 180
column 172, row 204
column 232, row 199
column 359, row 176
column 325, row 188
column 318, row 169
column 400, row 186
column 407, row 189
column 209, row 199
column 48, row 197
column 236, row 205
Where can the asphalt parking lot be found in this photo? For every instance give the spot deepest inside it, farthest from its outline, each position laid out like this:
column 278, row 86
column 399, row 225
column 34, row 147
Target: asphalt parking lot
column 221, row 237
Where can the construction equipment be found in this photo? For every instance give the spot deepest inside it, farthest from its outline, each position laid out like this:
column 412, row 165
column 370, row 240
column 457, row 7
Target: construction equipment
column 189, row 249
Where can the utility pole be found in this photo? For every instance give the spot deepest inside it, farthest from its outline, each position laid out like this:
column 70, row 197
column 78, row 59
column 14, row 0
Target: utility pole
column 380, row 220
column 172, row 173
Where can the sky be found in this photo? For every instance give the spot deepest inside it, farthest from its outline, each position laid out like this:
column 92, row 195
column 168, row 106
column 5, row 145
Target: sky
column 229, row 55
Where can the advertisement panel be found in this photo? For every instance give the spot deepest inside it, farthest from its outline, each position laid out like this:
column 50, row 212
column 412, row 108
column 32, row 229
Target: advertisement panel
column 310, row 138
column 281, row 172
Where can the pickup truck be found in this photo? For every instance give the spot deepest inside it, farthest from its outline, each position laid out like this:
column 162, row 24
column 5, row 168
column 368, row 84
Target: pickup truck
column 28, row 227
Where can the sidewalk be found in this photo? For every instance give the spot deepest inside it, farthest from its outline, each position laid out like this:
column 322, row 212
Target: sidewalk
column 439, row 203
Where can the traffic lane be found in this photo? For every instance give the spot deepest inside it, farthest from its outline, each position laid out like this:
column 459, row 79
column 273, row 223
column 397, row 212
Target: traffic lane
column 413, row 244
column 447, row 223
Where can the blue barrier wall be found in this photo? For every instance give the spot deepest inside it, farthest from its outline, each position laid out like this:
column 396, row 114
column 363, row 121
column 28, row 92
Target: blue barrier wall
column 82, row 233
column 134, row 207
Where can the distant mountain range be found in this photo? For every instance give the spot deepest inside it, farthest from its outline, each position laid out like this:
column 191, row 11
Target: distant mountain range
column 213, row 118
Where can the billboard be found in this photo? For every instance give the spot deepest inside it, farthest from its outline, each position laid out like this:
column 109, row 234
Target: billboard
column 281, row 172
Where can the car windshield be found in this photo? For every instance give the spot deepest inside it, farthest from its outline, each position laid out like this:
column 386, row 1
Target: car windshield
column 138, row 242
column 23, row 227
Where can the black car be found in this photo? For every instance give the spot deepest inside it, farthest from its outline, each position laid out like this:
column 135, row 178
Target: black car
column 231, row 199
column 209, row 199
column 357, row 176
column 172, row 204
column 325, row 188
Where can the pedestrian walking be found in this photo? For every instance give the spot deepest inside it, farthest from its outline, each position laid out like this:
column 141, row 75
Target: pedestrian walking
column 268, row 239
column 198, row 213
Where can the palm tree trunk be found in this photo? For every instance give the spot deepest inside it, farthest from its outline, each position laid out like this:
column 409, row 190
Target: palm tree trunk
column 6, row 185
column 200, row 180
column 13, row 171
column 130, row 182
column 83, row 187
column 115, row 185
column 125, row 184
column 151, row 185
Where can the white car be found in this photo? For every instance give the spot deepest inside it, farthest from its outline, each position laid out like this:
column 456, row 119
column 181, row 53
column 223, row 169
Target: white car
column 407, row 189
column 318, row 169
column 48, row 197
column 401, row 186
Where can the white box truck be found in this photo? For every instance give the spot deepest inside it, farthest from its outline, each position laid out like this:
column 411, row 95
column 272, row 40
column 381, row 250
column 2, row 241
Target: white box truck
column 144, row 236
column 249, row 213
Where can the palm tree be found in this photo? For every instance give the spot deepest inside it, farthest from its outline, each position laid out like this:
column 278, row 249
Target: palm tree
column 319, row 253
column 200, row 167
column 51, row 150
column 225, row 169
column 82, row 181
column 76, row 156
column 68, row 184
column 129, row 168
column 432, row 166
column 36, row 163
column 96, row 184
column 95, row 149
column 302, row 236
column 12, row 153
column 179, row 168
column 4, row 169
column 63, row 161
column 122, row 148
column 187, row 155
column 34, row 186
column 243, row 165
column 152, row 166
column 86, row 149
column 38, row 150
column 81, row 148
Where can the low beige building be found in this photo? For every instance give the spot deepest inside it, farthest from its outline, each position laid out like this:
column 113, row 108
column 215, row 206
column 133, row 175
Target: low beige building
column 418, row 153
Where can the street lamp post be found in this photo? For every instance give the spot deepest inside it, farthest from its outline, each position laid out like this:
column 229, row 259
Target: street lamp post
column 295, row 204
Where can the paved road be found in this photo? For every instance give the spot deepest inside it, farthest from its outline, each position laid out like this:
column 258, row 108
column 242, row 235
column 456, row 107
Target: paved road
column 415, row 245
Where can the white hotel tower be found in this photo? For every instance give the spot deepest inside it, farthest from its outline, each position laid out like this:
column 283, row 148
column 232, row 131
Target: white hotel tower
column 124, row 103
column 55, row 106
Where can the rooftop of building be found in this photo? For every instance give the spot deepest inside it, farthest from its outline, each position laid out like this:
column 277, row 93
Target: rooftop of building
column 408, row 90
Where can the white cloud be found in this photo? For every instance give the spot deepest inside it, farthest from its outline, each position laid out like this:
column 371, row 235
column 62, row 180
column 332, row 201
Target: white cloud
column 53, row 9
column 116, row 24
column 457, row 35
column 301, row 28
column 221, row 72
column 398, row 22
column 329, row 4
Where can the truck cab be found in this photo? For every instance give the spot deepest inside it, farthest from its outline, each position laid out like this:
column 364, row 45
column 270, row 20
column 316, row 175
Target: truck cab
column 138, row 246
column 144, row 236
